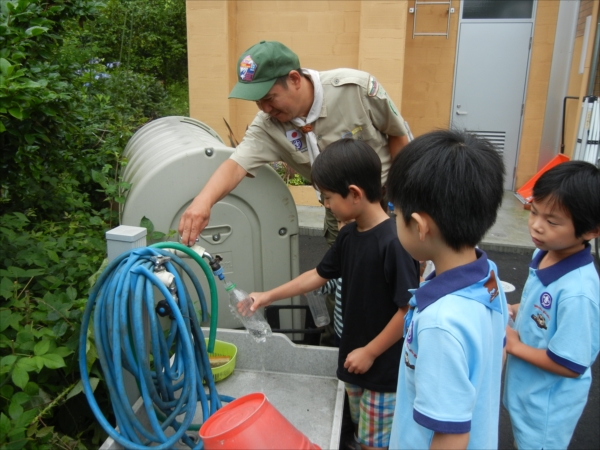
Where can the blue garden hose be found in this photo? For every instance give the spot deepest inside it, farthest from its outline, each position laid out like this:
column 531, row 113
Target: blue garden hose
column 214, row 299
column 171, row 385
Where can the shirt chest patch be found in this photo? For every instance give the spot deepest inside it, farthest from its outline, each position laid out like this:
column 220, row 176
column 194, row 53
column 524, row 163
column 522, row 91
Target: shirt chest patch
column 540, row 317
column 296, row 138
column 546, row 300
column 354, row 134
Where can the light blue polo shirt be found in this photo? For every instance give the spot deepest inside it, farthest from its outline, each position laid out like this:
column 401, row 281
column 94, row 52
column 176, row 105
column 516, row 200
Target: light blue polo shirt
column 451, row 365
column 559, row 312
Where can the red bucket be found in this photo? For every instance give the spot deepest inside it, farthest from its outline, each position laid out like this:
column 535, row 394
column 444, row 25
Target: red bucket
column 252, row 423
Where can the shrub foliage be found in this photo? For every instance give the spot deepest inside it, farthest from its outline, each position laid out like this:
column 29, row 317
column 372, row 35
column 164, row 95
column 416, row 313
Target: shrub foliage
column 77, row 79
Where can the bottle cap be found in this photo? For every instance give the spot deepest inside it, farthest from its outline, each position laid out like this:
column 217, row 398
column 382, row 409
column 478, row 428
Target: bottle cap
column 230, row 287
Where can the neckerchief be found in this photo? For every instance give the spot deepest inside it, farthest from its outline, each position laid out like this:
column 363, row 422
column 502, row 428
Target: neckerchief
column 313, row 114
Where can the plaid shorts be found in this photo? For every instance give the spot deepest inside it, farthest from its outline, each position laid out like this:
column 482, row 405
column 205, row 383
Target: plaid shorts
column 373, row 412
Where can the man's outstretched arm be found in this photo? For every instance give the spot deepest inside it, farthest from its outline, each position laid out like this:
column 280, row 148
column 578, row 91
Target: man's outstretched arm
column 195, row 218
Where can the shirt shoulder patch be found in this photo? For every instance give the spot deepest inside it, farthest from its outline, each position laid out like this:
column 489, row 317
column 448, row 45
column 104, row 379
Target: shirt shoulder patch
column 373, row 87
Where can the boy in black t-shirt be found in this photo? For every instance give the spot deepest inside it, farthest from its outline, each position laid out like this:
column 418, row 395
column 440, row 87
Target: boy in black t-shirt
column 377, row 274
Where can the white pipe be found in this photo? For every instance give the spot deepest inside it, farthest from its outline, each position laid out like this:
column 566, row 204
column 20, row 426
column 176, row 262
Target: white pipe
column 582, row 135
column 591, row 153
column 580, row 129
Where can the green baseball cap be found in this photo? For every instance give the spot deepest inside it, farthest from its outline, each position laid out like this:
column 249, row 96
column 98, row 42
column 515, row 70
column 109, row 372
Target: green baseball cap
column 259, row 67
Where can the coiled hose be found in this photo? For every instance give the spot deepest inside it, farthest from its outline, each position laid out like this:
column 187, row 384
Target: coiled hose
column 172, row 384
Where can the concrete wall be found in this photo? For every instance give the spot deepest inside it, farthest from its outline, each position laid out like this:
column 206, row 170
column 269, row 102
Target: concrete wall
column 375, row 36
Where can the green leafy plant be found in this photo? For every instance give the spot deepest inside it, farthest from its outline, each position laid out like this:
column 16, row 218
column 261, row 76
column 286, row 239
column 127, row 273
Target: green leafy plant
column 43, row 290
column 289, row 175
column 298, row 180
column 66, row 114
column 146, row 36
column 153, row 235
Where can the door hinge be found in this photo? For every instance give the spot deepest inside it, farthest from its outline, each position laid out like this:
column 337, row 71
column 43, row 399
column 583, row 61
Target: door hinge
column 522, row 108
column 530, row 39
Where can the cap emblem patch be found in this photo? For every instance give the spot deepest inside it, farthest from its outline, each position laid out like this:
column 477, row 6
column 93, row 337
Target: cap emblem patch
column 247, row 69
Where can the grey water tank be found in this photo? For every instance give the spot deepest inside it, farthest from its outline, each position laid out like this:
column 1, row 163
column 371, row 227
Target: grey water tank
column 254, row 228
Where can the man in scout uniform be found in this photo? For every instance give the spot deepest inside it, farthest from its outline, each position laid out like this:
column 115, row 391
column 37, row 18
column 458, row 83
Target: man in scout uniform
column 302, row 111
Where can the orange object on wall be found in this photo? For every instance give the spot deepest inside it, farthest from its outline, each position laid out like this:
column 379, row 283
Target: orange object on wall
column 524, row 194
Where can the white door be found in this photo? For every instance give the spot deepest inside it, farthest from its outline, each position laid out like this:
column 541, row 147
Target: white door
column 489, row 84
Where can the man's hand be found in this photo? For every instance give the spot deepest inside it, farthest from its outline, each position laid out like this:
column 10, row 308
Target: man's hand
column 513, row 310
column 193, row 220
column 359, row 360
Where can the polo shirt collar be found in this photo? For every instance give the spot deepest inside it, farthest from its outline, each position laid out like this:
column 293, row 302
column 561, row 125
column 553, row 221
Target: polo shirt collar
column 437, row 286
column 563, row 267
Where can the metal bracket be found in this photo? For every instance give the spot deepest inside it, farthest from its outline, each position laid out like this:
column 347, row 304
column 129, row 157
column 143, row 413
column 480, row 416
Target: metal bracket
column 431, row 3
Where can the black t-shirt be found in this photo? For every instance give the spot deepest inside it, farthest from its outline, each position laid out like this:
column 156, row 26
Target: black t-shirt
column 376, row 274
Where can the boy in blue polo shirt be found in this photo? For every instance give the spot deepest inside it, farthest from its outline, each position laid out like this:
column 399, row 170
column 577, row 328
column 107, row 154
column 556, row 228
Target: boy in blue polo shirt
column 447, row 188
column 555, row 340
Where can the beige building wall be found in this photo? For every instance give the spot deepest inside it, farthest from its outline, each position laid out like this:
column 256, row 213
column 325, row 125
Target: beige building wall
column 542, row 49
column 366, row 35
column 208, row 34
column 324, row 35
column 382, row 42
column 375, row 36
column 429, row 69
column 539, row 76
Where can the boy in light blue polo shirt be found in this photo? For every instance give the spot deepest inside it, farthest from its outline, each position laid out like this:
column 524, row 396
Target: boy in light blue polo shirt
column 447, row 188
column 556, row 335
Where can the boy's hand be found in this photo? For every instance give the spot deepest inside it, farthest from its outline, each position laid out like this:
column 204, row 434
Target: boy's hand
column 259, row 299
column 359, row 360
column 513, row 310
column 512, row 339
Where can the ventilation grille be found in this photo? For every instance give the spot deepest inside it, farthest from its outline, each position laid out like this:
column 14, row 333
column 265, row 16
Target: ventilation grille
column 496, row 138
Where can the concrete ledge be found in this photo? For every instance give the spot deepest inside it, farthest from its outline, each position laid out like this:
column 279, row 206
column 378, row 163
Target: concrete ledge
column 506, row 248
column 303, row 231
column 304, row 195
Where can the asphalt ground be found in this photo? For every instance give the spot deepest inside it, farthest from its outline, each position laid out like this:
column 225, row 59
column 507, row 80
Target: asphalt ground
column 512, row 268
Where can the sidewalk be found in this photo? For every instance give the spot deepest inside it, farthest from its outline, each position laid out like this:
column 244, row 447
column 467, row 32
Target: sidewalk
column 509, row 234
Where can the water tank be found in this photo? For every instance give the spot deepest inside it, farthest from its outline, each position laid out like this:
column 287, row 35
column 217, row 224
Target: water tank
column 254, row 228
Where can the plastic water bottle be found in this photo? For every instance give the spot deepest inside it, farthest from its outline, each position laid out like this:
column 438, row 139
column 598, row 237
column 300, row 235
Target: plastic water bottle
column 255, row 323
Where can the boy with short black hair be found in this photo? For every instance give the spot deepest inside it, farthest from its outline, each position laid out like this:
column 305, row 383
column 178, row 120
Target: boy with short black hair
column 446, row 187
column 556, row 335
column 377, row 274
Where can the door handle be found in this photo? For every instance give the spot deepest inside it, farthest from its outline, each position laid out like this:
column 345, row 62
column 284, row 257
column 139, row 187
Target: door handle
column 462, row 113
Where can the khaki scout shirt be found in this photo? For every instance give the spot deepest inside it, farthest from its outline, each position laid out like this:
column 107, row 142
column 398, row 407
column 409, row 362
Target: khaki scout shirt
column 355, row 106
